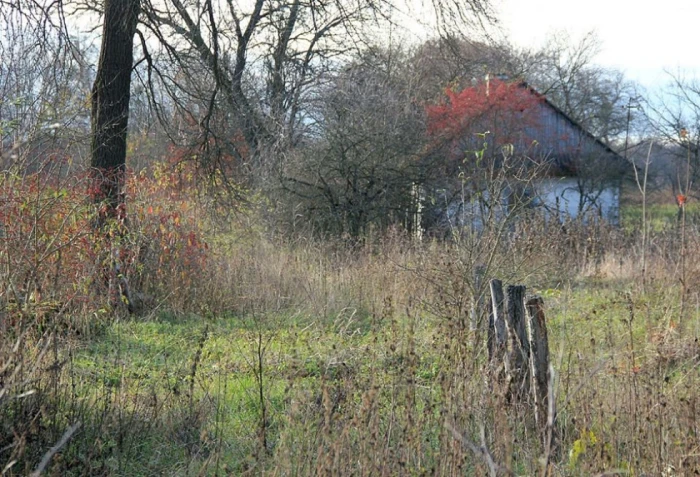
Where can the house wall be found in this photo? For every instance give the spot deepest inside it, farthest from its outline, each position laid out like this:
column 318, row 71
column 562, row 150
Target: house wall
column 583, row 175
column 576, row 152
column 562, row 197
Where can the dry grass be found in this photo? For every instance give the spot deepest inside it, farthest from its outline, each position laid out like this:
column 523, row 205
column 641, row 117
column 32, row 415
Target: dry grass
column 312, row 358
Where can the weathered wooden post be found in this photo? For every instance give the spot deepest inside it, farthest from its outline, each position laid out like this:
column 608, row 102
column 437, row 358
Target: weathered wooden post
column 539, row 359
column 518, row 348
column 517, row 338
column 496, row 335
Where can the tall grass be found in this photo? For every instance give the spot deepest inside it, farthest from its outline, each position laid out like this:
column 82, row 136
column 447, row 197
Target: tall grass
column 256, row 355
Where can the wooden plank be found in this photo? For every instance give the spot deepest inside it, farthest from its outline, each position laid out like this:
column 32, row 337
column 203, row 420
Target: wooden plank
column 539, row 357
column 518, row 343
column 496, row 337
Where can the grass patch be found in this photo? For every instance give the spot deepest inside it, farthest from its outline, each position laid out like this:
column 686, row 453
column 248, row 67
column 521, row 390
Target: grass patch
column 365, row 363
column 660, row 217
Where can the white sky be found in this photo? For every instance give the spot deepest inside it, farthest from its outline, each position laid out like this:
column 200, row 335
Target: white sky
column 639, row 37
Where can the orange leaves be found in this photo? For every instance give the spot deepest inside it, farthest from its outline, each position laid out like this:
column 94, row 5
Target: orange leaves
column 166, row 216
column 46, row 233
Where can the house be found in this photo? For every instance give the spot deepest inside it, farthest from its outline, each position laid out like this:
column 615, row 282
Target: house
column 585, row 175
column 563, row 169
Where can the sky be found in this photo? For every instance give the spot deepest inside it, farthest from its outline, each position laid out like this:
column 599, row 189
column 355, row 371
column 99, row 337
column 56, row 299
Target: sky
column 640, row 37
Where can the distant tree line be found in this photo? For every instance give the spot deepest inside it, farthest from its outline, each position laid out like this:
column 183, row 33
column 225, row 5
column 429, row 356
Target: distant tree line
column 294, row 99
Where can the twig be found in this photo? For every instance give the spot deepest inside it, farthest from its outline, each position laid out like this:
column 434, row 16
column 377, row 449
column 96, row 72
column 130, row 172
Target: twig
column 55, row 449
column 551, row 418
column 481, row 450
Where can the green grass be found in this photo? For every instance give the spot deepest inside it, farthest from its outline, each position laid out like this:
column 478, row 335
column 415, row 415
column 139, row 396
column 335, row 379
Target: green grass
column 153, row 362
column 370, row 392
column 660, row 216
column 590, row 332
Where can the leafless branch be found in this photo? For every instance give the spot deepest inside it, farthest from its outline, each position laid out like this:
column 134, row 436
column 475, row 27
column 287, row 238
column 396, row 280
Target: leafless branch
column 55, row 449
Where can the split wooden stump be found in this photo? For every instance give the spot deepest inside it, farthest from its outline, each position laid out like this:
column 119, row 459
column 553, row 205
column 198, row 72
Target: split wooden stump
column 518, row 347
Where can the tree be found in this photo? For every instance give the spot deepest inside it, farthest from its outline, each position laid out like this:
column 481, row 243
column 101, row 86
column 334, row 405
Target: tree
column 362, row 168
column 235, row 82
column 111, row 89
column 110, row 104
column 460, row 62
column 595, row 97
column 43, row 83
column 241, row 78
column 675, row 118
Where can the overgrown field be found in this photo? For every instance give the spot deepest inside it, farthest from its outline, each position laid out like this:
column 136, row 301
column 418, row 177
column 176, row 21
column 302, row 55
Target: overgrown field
column 251, row 354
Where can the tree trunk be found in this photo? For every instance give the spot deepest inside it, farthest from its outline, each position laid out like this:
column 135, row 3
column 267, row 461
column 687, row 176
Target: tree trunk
column 110, row 106
column 110, row 118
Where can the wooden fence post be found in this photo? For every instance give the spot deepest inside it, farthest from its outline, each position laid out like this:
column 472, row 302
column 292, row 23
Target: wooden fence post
column 517, row 338
column 496, row 336
column 518, row 349
column 539, row 357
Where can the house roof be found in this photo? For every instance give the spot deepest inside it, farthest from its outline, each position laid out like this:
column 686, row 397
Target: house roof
column 517, row 115
column 570, row 120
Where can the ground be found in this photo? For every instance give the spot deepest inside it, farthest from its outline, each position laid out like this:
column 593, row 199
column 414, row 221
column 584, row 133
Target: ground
column 362, row 362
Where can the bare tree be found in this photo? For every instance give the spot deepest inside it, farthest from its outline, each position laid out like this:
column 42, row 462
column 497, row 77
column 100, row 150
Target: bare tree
column 43, row 82
column 362, row 167
column 595, row 97
column 44, row 23
column 110, row 102
column 237, row 79
column 675, row 118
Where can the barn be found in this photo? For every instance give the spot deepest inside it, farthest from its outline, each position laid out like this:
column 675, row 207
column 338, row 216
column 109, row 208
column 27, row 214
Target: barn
column 585, row 175
column 578, row 176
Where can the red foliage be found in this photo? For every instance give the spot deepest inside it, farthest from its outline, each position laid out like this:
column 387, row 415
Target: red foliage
column 509, row 112
column 51, row 253
column 165, row 219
